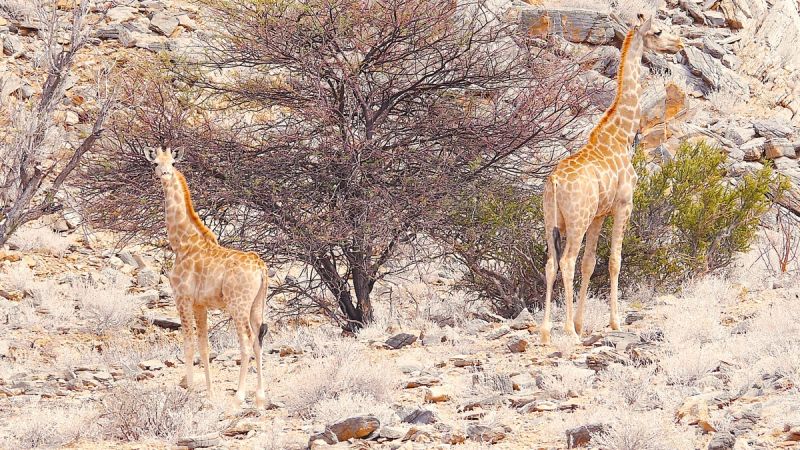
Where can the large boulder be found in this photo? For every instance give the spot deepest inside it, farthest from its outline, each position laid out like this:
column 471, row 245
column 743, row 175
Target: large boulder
column 574, row 24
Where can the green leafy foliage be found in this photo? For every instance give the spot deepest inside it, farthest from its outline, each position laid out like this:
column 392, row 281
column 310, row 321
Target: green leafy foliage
column 688, row 218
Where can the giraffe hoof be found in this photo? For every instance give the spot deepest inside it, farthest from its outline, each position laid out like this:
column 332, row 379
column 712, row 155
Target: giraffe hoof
column 614, row 325
column 578, row 328
column 544, row 336
column 261, row 401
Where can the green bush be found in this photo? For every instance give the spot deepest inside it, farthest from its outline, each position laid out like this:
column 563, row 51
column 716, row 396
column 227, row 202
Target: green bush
column 688, row 218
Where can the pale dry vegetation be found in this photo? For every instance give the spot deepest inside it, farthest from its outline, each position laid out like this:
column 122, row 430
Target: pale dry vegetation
column 132, row 412
column 42, row 239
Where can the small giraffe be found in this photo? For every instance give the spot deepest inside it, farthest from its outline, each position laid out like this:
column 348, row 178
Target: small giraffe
column 208, row 275
column 595, row 182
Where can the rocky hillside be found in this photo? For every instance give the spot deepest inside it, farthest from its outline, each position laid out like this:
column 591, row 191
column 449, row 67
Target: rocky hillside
column 90, row 352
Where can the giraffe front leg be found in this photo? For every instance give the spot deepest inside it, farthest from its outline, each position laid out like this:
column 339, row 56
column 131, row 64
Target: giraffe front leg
column 201, row 318
column 184, row 305
column 615, row 260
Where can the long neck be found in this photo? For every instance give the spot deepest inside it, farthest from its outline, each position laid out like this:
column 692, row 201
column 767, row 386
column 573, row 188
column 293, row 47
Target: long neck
column 621, row 120
column 184, row 228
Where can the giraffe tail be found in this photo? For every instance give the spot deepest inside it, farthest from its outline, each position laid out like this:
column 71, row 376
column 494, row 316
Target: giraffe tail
column 257, row 311
column 556, row 234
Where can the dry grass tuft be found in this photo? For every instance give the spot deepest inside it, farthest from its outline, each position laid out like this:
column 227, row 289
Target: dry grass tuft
column 132, row 412
column 40, row 239
column 52, row 428
column 344, row 374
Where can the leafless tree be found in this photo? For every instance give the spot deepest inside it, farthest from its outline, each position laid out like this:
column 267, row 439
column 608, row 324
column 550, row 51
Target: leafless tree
column 32, row 166
column 780, row 249
column 336, row 132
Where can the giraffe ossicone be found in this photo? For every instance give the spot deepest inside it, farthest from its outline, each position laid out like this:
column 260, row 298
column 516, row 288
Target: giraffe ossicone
column 207, row 276
column 595, row 182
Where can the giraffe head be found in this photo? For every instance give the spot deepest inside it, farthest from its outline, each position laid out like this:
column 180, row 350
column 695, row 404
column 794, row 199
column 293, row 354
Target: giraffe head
column 655, row 36
column 163, row 160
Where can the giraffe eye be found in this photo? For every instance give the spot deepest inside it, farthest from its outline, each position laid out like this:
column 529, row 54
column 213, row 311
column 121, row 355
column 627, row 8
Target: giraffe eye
column 657, row 33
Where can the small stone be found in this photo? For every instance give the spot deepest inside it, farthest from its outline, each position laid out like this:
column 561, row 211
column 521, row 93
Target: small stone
column 539, row 406
column 465, row 361
column 712, row 48
column 119, row 14
column 773, row 128
column 393, row 433
column 633, row 316
column 695, row 411
column 355, row 427
column 436, row 395
column 147, row 278
column 424, row 380
column 582, row 435
column 523, row 321
column 723, row 440
column 400, row 340
column 421, row 416
column 166, row 322
column 486, row 435
column 164, row 23
column 149, row 298
column 740, row 135
column 12, row 45
column 499, row 332
column 151, row 364
column 715, row 18
column 794, row 434
column 517, row 344
column 778, row 148
column 754, row 149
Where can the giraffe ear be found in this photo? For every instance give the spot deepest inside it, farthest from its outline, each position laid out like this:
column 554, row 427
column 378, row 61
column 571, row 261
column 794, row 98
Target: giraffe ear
column 645, row 26
column 178, row 154
column 149, row 155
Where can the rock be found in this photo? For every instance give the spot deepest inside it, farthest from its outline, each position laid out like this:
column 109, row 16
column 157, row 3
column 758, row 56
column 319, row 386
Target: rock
column 71, row 118
column 423, row 380
column 738, row 13
column 723, row 440
column 621, row 340
column 149, row 298
column 754, row 149
column 517, row 344
column 607, row 62
column 355, row 427
column 573, row 24
column 486, row 435
column 714, row 18
column 713, row 49
column 151, row 364
column 538, row 406
column 12, row 45
column 716, row 76
column 393, row 433
column 205, row 441
column 421, row 416
column 523, row 321
column 779, row 147
column 681, row 18
column 632, row 317
column 793, row 433
column 147, row 278
column 164, row 24
column 400, row 340
column 771, row 44
column 731, row 61
column 187, row 22
column 166, row 322
column 740, row 135
column 582, row 435
column 119, row 14
column 326, row 437
column 436, row 395
column 602, row 357
column 499, row 332
column 773, row 128
column 127, row 258
column 464, row 361
column 695, row 411
column 691, row 8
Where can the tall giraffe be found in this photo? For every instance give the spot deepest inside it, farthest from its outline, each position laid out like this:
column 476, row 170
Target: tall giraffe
column 595, row 182
column 207, row 275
